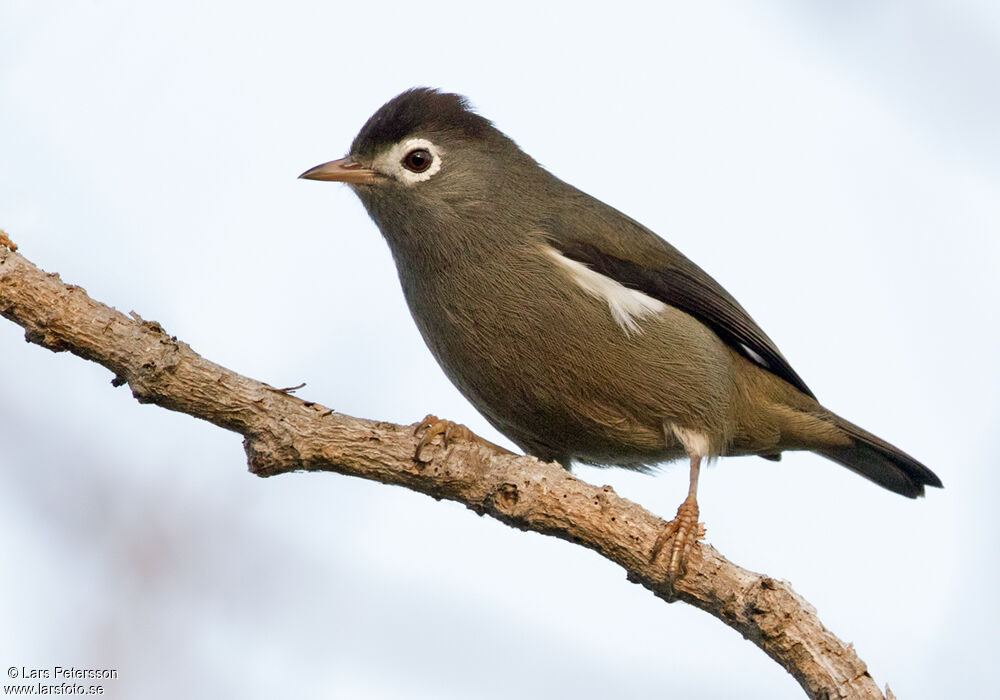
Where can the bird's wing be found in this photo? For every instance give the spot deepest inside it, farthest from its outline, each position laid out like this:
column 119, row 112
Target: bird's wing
column 618, row 247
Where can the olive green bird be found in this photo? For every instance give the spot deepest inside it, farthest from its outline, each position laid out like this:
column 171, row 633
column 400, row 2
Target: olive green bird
column 577, row 332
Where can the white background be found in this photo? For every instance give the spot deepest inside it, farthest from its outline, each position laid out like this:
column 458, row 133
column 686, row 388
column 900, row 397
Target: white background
column 834, row 165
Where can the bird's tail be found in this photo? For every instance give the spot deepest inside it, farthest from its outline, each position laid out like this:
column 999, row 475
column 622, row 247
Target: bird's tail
column 875, row 459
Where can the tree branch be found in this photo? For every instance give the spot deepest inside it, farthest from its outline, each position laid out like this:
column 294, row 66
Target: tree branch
column 283, row 433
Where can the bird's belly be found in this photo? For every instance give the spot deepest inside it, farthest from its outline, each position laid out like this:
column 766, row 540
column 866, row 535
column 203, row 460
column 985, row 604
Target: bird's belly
column 574, row 385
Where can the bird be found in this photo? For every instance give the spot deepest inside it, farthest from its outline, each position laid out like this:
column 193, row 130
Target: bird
column 576, row 331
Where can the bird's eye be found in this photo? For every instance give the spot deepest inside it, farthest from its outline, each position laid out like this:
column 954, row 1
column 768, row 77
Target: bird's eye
column 417, row 160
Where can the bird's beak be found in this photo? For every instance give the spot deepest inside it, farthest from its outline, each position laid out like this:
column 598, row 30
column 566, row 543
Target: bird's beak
column 344, row 170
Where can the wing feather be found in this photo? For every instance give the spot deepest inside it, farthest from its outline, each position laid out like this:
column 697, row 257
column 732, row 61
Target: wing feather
column 629, row 253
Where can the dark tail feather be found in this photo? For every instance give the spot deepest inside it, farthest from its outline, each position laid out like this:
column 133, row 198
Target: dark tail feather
column 875, row 459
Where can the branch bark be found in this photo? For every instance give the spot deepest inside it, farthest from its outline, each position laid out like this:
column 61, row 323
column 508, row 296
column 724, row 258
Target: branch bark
column 284, row 433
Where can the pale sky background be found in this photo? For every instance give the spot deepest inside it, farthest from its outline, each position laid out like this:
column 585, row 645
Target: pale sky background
column 835, row 165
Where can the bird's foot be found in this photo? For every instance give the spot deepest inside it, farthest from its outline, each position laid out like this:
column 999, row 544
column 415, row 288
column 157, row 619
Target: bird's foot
column 5, row 242
column 450, row 432
column 682, row 532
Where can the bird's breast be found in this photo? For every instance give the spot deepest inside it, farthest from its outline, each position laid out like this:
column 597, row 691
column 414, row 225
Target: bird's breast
column 563, row 362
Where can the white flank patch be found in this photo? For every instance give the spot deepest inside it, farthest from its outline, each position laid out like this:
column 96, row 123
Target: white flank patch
column 755, row 356
column 695, row 444
column 627, row 306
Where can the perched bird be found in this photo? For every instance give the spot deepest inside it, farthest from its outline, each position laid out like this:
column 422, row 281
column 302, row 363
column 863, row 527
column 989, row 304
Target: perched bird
column 576, row 331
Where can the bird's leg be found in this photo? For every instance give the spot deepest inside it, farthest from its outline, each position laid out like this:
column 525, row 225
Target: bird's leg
column 684, row 530
column 432, row 426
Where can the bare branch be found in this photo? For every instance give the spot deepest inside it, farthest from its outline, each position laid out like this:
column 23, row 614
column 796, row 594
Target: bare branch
column 283, row 433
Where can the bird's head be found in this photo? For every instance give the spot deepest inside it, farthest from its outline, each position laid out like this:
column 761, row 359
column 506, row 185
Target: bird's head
column 425, row 158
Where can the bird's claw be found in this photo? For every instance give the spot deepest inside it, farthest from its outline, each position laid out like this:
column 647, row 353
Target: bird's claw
column 450, row 433
column 682, row 532
column 432, row 427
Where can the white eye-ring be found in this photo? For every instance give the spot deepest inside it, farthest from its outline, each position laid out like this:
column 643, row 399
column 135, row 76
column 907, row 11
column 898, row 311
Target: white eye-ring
column 410, row 161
